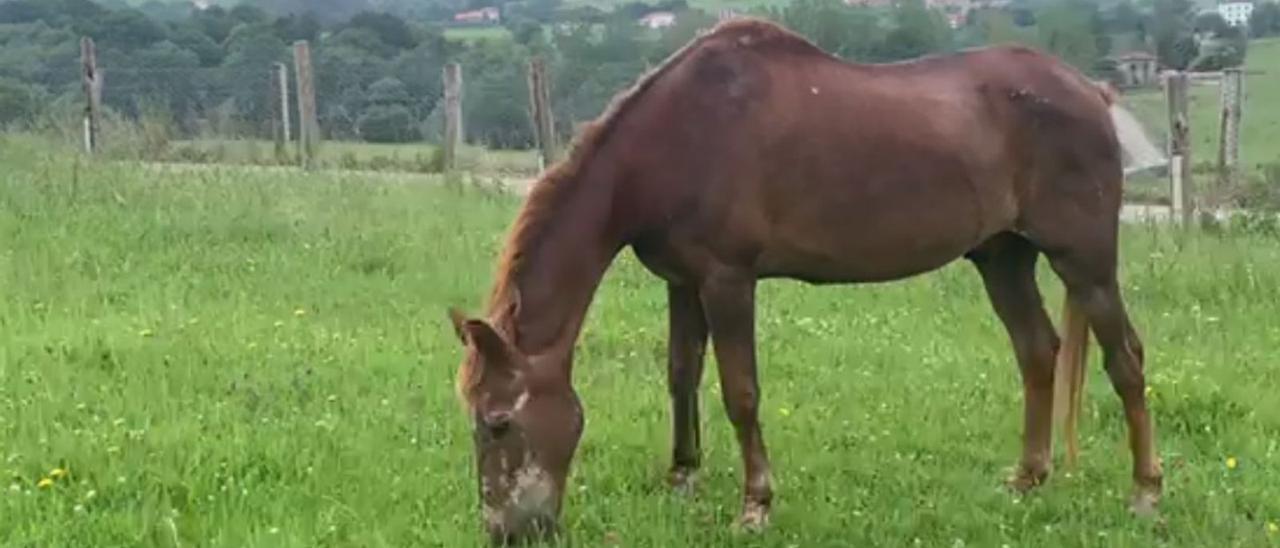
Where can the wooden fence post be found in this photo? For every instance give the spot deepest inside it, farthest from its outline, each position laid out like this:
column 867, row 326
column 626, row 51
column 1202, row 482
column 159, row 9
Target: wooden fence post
column 91, row 80
column 1180, row 159
column 280, row 109
column 308, row 125
column 540, row 111
column 453, row 136
column 1229, row 140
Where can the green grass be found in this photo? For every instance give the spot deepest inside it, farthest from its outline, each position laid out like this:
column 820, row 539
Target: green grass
column 262, row 359
column 359, row 155
column 1260, row 130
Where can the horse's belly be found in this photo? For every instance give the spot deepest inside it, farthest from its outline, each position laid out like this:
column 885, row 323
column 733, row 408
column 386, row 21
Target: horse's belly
column 865, row 246
column 861, row 265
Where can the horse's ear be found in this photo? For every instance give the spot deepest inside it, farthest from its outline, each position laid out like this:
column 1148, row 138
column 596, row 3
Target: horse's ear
column 458, row 319
column 488, row 342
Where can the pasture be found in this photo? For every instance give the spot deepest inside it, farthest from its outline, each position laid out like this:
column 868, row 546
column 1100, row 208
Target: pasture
column 238, row 357
column 1260, row 127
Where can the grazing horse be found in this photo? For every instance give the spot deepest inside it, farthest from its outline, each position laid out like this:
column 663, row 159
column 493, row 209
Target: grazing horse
column 753, row 154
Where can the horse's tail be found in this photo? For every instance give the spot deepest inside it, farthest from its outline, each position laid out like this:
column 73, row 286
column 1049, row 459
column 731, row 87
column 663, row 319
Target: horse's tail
column 1068, row 377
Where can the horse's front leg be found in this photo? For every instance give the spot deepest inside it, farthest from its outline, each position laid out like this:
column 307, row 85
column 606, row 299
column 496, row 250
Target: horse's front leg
column 729, row 302
column 687, row 344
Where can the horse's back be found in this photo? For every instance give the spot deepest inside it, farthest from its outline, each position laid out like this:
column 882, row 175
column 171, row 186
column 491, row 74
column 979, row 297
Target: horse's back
column 798, row 164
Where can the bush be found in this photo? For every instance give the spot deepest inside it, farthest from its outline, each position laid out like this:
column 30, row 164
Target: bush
column 388, row 124
column 19, row 103
column 1263, row 192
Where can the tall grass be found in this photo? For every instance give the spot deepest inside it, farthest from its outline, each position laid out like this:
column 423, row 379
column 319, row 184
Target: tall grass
column 242, row 358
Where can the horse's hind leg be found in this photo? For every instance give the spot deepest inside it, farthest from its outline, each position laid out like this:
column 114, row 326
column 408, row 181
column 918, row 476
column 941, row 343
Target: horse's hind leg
column 687, row 343
column 1089, row 274
column 1007, row 264
column 729, row 301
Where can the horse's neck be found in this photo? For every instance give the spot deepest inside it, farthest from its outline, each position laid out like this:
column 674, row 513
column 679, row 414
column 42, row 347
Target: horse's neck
column 560, row 271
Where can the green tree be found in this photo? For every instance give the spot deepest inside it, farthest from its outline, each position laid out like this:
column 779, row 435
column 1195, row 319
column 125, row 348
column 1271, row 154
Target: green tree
column 163, row 74
column 916, row 30
column 19, row 103
column 252, row 51
column 189, row 37
column 1172, row 29
column 389, row 29
column 1265, row 20
column 420, row 71
column 248, row 14
column 688, row 24
column 294, row 27
column 343, row 73
column 215, row 23
column 495, row 116
column 849, row 32
column 997, row 27
column 36, row 54
column 126, row 30
column 1066, row 31
column 365, row 40
column 595, row 66
column 387, row 118
column 1227, row 48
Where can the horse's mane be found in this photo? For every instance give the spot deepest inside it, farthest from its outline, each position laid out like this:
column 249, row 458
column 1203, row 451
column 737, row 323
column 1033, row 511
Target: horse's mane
column 561, row 179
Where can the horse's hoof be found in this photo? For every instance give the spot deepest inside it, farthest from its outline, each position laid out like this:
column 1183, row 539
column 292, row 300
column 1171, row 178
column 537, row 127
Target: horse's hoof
column 684, row 481
column 754, row 518
column 1024, row 479
column 1145, row 504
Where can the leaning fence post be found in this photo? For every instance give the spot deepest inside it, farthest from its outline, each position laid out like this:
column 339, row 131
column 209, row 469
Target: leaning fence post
column 540, row 111
column 1229, row 140
column 1181, row 183
column 453, row 136
column 308, row 125
column 91, row 80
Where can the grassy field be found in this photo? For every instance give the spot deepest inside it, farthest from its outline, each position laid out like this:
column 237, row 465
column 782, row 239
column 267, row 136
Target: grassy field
column 262, row 359
column 1261, row 125
column 410, row 157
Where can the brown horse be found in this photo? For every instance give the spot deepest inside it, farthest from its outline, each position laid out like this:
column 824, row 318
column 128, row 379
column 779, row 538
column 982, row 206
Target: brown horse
column 750, row 154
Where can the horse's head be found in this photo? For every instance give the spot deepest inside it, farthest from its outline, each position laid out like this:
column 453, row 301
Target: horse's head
column 527, row 424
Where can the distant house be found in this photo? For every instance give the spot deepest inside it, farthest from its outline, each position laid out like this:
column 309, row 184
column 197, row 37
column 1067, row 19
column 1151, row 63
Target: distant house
column 1236, row 14
column 1136, row 69
column 481, row 16
column 658, row 20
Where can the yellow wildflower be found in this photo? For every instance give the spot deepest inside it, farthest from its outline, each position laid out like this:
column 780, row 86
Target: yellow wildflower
column 1232, row 463
column 300, row 312
column 44, row 483
column 58, row 473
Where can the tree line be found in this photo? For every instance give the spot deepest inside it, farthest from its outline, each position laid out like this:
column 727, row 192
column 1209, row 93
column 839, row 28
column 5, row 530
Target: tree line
column 378, row 72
